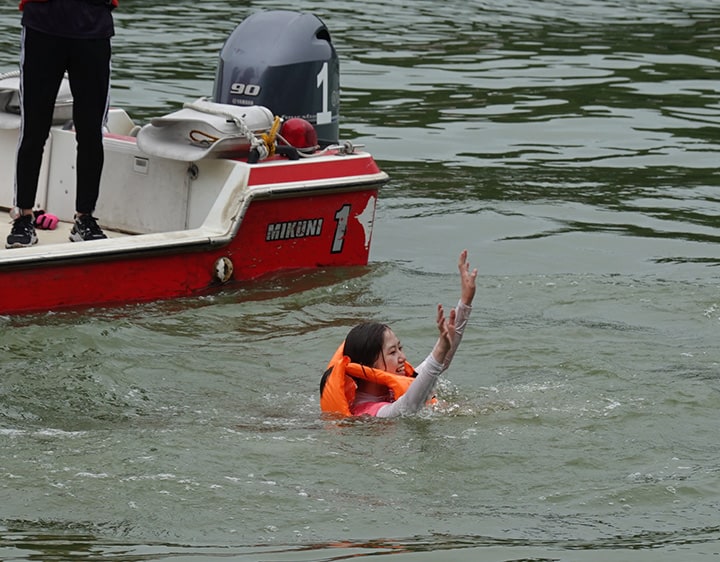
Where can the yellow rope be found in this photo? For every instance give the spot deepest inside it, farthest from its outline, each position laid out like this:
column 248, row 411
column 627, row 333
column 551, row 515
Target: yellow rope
column 205, row 139
column 269, row 138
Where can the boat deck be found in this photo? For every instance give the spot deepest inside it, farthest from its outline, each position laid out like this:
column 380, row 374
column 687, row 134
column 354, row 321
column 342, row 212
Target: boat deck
column 59, row 235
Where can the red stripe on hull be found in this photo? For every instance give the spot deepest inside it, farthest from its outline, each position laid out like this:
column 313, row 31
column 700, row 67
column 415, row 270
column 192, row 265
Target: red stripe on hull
column 270, row 172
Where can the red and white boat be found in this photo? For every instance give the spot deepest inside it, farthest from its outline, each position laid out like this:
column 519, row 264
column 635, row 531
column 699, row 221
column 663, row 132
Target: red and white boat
column 225, row 190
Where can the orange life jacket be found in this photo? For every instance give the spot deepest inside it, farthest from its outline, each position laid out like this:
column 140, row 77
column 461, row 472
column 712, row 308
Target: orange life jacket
column 339, row 391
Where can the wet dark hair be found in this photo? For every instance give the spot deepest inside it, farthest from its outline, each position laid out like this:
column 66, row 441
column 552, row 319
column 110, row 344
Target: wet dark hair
column 363, row 344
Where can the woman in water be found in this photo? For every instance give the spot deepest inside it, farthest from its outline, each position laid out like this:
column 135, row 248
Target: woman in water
column 370, row 375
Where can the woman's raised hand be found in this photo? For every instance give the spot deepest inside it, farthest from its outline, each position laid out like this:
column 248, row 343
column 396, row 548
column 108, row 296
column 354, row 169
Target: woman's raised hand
column 446, row 327
column 467, row 279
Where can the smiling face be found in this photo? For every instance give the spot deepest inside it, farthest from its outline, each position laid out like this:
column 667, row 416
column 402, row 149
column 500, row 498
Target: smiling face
column 375, row 345
column 391, row 358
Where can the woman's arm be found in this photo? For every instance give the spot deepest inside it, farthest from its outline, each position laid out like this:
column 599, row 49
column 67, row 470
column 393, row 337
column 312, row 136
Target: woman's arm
column 419, row 392
column 463, row 308
column 462, row 313
column 451, row 332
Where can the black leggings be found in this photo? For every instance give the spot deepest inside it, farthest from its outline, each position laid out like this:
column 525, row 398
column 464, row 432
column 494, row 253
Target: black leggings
column 43, row 61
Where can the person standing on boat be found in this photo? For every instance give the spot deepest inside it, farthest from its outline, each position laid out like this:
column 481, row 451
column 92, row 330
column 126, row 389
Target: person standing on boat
column 370, row 375
column 61, row 36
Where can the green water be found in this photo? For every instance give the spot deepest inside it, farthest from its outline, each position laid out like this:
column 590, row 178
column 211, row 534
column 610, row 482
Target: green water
column 572, row 147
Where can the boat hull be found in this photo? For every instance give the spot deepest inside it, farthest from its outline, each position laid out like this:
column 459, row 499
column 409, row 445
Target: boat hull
column 277, row 233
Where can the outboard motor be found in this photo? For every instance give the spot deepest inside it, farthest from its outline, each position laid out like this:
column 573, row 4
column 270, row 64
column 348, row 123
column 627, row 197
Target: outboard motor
column 286, row 62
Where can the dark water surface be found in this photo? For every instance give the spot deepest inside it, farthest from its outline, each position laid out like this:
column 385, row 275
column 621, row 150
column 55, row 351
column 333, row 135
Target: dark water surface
column 573, row 148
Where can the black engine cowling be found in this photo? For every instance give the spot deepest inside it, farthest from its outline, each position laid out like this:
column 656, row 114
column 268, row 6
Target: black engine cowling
column 286, row 62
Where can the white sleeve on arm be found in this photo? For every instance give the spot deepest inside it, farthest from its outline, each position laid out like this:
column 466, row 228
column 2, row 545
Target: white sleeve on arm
column 427, row 373
column 462, row 313
column 419, row 392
